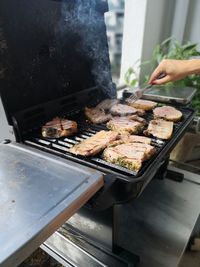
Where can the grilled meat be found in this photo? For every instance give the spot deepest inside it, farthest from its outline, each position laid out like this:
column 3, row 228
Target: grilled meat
column 144, row 104
column 125, row 125
column 97, row 115
column 107, row 104
column 59, row 127
column 125, row 139
column 95, row 144
column 137, row 118
column 167, row 113
column 130, row 155
column 122, row 110
column 140, row 112
column 160, row 128
column 136, row 139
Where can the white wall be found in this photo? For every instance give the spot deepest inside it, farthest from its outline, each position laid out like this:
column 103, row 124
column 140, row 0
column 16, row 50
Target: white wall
column 158, row 23
column 146, row 23
column 192, row 29
column 134, row 24
column 180, row 19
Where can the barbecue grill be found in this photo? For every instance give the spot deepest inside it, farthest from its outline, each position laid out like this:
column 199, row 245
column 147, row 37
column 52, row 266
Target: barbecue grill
column 54, row 63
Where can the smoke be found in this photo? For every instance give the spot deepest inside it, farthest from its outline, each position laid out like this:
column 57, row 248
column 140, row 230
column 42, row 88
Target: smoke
column 84, row 18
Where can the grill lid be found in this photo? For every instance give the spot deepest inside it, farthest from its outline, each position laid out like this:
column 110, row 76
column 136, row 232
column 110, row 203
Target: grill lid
column 51, row 49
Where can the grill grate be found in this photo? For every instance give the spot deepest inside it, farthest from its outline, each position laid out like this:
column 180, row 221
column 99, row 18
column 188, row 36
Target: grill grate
column 61, row 146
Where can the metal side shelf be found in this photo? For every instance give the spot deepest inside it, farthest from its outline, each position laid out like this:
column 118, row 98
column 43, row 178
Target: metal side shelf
column 39, row 192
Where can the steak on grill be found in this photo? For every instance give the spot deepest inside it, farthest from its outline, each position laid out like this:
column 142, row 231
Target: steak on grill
column 97, row 115
column 125, row 125
column 137, row 118
column 123, row 139
column 129, row 155
column 107, row 104
column 160, row 128
column 167, row 113
column 59, row 127
column 136, row 139
column 140, row 112
column 94, row 144
column 143, row 104
column 122, row 110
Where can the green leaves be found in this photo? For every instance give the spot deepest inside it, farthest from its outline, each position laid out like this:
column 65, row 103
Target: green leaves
column 131, row 77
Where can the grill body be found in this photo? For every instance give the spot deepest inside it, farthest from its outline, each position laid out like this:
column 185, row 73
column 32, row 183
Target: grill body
column 121, row 184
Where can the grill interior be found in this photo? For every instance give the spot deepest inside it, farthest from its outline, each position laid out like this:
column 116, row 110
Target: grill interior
column 61, row 146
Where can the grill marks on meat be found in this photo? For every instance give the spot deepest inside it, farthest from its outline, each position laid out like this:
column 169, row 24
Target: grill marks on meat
column 160, row 128
column 107, row 104
column 97, row 115
column 125, row 125
column 129, row 155
column 95, row 144
column 122, row 110
column 144, row 104
column 59, row 127
column 168, row 113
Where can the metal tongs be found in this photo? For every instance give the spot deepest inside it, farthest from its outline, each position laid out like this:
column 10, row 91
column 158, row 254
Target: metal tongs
column 139, row 92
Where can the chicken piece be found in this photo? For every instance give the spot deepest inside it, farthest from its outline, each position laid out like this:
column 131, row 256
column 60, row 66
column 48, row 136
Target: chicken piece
column 107, row 104
column 136, row 139
column 167, row 113
column 140, row 112
column 97, row 115
column 122, row 110
column 124, row 125
column 143, row 104
column 59, row 127
column 125, row 139
column 94, row 144
column 129, row 155
column 137, row 118
column 160, row 128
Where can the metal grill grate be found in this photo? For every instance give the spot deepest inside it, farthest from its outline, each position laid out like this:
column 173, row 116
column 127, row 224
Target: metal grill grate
column 61, row 146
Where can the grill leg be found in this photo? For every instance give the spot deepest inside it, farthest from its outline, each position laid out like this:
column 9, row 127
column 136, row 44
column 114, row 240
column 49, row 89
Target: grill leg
column 96, row 226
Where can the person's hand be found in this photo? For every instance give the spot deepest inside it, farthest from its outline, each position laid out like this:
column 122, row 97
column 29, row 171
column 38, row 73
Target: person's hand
column 173, row 69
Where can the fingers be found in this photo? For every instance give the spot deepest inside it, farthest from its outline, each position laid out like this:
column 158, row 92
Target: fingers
column 166, row 79
column 154, row 75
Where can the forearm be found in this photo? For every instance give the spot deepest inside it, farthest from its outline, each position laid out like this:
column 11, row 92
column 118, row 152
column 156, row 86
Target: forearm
column 193, row 66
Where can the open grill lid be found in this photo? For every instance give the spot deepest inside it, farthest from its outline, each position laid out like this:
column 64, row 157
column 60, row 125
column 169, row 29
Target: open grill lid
column 51, row 49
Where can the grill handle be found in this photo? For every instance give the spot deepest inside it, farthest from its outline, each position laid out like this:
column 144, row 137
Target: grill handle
column 195, row 125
